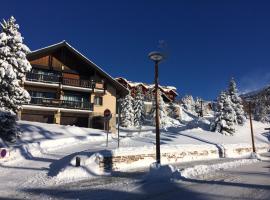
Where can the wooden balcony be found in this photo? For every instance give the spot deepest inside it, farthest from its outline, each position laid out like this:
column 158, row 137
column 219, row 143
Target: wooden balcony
column 61, row 103
column 42, row 78
column 65, row 81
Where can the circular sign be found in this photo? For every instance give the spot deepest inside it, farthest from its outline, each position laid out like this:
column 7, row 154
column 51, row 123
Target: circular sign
column 107, row 113
column 3, row 153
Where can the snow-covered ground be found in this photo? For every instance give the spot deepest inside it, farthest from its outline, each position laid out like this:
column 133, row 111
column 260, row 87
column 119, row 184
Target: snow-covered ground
column 44, row 155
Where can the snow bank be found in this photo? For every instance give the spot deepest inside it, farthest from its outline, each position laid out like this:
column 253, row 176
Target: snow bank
column 89, row 168
column 158, row 172
column 205, row 169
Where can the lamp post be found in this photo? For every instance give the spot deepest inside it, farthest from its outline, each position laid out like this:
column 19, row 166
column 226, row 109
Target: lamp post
column 157, row 57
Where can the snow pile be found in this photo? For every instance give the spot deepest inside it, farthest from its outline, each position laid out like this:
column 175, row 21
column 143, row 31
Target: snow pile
column 158, row 172
column 205, row 169
column 89, row 168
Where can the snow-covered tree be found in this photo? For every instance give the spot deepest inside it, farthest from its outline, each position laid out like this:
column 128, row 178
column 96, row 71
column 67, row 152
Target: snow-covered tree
column 262, row 109
column 163, row 115
column 225, row 116
column 237, row 103
column 188, row 103
column 138, row 107
column 127, row 111
column 174, row 111
column 198, row 106
column 13, row 67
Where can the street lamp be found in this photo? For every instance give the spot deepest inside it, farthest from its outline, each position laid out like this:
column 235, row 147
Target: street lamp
column 157, row 57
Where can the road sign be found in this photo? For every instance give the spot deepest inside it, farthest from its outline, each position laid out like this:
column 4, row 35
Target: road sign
column 107, row 115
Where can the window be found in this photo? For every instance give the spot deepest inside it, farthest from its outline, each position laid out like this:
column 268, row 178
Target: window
column 47, row 95
column 98, row 100
column 75, row 97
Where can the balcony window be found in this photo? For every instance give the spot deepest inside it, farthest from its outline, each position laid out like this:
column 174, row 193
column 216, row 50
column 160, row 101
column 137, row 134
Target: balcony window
column 76, row 97
column 47, row 95
column 98, row 100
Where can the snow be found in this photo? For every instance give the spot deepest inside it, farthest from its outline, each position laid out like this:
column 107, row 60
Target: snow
column 197, row 170
column 158, row 172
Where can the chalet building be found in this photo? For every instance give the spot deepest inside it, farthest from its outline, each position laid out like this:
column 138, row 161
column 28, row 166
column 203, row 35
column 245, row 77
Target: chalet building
column 168, row 93
column 69, row 89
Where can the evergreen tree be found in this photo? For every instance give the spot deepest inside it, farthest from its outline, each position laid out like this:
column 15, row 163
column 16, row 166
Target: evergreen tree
column 236, row 103
column 138, row 108
column 188, row 103
column 174, row 111
column 225, row 116
column 127, row 111
column 197, row 106
column 163, row 115
column 262, row 109
column 13, row 67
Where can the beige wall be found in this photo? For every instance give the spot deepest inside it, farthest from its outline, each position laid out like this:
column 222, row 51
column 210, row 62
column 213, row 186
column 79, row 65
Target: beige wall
column 109, row 101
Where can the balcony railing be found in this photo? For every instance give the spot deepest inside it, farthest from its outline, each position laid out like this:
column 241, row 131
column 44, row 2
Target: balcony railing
column 65, row 81
column 42, row 78
column 78, row 83
column 40, row 101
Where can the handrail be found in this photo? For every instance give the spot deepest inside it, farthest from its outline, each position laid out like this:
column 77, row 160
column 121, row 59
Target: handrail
column 61, row 103
column 65, row 81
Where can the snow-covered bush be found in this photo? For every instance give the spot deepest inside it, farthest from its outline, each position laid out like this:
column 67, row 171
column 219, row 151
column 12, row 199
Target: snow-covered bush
column 13, row 67
column 138, row 107
column 8, row 128
column 237, row 103
column 127, row 111
column 225, row 117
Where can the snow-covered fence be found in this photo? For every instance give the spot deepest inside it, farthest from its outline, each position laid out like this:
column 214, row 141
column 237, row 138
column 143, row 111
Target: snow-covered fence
column 129, row 158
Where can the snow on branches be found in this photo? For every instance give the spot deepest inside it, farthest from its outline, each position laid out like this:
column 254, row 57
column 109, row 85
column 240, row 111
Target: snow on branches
column 13, row 67
column 229, row 111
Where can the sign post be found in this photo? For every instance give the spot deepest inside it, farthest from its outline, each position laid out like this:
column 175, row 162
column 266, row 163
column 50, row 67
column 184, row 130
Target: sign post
column 107, row 117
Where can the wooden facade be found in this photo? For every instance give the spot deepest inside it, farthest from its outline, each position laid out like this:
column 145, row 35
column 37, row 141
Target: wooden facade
column 62, row 85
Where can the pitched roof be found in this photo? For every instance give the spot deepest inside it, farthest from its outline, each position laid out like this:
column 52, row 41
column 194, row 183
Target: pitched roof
column 53, row 47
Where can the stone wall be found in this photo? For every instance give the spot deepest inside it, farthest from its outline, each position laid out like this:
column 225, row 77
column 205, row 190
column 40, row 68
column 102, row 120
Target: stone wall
column 132, row 158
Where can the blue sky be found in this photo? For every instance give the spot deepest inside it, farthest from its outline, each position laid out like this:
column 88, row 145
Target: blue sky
column 207, row 42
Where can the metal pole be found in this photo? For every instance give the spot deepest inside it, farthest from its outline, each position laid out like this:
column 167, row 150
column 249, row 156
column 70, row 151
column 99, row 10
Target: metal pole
column 107, row 128
column 118, row 124
column 201, row 108
column 251, row 128
column 157, row 115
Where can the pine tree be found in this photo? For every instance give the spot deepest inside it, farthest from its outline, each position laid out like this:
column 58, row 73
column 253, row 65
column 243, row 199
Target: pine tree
column 163, row 115
column 188, row 103
column 225, row 116
column 127, row 111
column 262, row 109
column 236, row 102
column 139, row 108
column 197, row 106
column 174, row 111
column 13, row 67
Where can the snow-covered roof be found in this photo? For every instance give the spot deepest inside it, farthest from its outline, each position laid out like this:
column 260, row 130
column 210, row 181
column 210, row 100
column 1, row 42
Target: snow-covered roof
column 79, row 54
column 150, row 86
